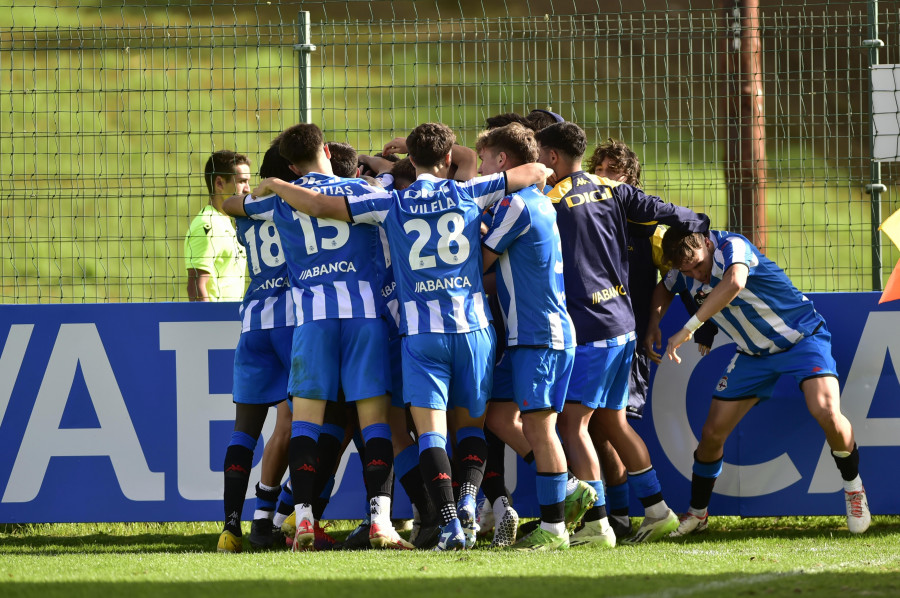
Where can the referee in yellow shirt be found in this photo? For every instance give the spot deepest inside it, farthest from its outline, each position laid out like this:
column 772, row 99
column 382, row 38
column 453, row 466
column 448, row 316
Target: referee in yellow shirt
column 214, row 259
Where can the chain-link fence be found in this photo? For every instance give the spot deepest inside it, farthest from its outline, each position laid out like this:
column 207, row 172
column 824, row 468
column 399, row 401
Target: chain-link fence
column 108, row 112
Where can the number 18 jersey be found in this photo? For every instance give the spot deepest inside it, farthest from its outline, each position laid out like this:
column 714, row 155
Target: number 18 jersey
column 433, row 229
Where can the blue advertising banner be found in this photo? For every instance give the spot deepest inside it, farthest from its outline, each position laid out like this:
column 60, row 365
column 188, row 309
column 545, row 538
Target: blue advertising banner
column 122, row 412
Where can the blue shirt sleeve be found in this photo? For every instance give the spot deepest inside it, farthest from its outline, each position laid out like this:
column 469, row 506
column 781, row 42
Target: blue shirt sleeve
column 367, row 204
column 260, row 208
column 675, row 281
column 485, row 190
column 735, row 250
column 511, row 220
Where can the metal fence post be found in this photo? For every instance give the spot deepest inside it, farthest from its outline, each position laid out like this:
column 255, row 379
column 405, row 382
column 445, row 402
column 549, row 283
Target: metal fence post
column 303, row 48
column 875, row 187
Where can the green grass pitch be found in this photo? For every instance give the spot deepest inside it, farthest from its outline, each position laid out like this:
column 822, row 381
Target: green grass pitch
column 789, row 556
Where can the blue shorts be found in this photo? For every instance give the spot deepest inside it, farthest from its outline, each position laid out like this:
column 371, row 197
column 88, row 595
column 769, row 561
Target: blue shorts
column 261, row 365
column 541, row 377
column 395, row 372
column 446, row 371
column 749, row 376
column 335, row 353
column 502, row 389
column 600, row 375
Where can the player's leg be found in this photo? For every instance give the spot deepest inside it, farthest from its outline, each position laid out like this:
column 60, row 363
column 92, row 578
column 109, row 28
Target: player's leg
column 503, row 422
column 823, row 400
column 365, row 349
column 314, row 379
column 268, row 490
column 471, row 380
column 259, row 381
column 615, row 481
column 542, row 379
column 723, row 416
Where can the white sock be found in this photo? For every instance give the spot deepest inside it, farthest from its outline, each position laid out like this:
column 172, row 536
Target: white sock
column 657, row 511
column 699, row 513
column 278, row 519
column 571, row 484
column 416, row 517
column 257, row 514
column 557, row 529
column 499, row 508
column 303, row 510
column 854, row 485
column 268, row 488
column 380, row 509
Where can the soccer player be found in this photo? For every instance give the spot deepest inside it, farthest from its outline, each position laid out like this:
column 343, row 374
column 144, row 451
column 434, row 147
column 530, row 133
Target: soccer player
column 592, row 214
column 214, row 259
column 616, row 161
column 433, row 229
column 524, row 239
column 262, row 361
column 777, row 332
column 340, row 340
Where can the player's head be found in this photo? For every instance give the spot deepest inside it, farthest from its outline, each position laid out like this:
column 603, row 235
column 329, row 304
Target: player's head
column 539, row 119
column 303, row 146
column 501, row 120
column 689, row 253
column 227, row 173
column 615, row 160
column 343, row 159
column 429, row 145
column 561, row 146
column 275, row 165
column 404, row 174
column 505, row 147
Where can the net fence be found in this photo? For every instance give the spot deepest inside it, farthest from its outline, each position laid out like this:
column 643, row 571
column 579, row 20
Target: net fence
column 109, row 110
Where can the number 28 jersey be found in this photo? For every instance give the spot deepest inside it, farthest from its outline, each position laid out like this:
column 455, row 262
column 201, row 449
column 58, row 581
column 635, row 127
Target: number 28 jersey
column 433, row 229
column 331, row 264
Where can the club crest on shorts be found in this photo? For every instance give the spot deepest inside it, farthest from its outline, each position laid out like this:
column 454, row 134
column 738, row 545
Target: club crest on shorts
column 723, row 383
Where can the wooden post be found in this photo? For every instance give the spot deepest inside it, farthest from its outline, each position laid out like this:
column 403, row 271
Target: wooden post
column 745, row 134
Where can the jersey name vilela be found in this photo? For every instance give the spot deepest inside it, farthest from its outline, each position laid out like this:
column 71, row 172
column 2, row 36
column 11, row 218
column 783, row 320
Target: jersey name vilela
column 530, row 282
column 433, row 229
column 267, row 302
column 331, row 264
column 769, row 314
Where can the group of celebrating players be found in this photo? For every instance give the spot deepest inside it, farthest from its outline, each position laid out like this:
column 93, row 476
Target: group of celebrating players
column 375, row 289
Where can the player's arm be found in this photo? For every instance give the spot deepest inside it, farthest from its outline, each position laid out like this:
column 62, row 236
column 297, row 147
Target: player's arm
column 488, row 257
column 307, row 201
column 375, row 163
column 733, row 281
column 196, row 285
column 397, row 145
column 526, row 175
column 234, row 206
column 466, row 162
column 659, row 304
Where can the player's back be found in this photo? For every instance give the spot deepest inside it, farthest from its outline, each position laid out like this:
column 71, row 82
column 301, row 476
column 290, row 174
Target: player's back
column 267, row 302
column 331, row 263
column 530, row 271
column 433, row 228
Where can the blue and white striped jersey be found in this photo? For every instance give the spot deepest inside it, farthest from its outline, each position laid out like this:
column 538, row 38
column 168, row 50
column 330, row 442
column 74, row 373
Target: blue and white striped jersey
column 769, row 315
column 267, row 302
column 433, row 229
column 331, row 264
column 530, row 282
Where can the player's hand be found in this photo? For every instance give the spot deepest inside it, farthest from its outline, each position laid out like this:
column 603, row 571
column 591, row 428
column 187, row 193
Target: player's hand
column 265, row 187
column 397, row 145
column 704, row 350
column 653, row 340
column 675, row 341
column 551, row 178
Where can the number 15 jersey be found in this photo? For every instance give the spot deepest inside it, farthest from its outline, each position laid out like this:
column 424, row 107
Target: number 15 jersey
column 433, row 229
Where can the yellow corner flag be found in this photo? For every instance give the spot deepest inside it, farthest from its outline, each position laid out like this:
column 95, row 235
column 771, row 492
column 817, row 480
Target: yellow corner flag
column 891, row 228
